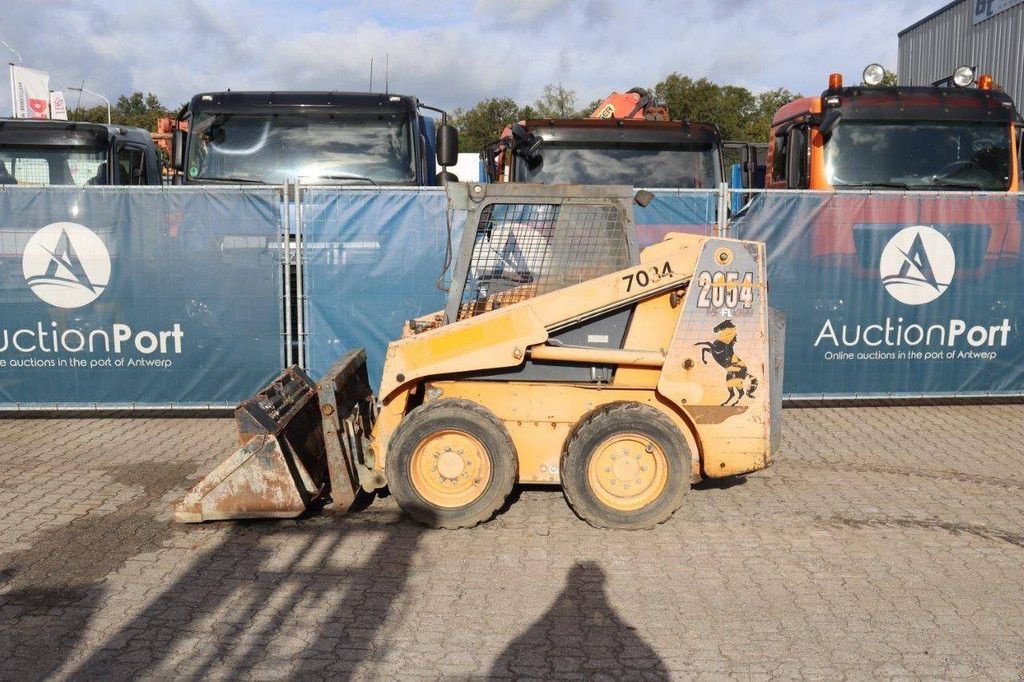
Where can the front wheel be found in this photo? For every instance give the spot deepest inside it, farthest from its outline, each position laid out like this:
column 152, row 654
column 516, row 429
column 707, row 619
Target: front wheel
column 625, row 466
column 451, row 464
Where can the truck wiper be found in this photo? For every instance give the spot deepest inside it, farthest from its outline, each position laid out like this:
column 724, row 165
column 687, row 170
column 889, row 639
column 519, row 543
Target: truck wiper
column 868, row 185
column 344, row 176
column 249, row 181
column 954, row 183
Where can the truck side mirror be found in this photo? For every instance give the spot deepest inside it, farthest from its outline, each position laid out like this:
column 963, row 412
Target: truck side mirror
column 829, row 121
column 447, row 145
column 178, row 149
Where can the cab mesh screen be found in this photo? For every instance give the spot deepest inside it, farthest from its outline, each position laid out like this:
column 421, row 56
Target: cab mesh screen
column 525, row 250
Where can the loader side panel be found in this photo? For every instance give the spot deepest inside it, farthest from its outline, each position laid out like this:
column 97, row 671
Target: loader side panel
column 717, row 368
column 540, row 417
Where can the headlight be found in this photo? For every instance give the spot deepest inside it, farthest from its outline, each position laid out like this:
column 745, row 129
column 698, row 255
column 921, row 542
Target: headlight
column 874, row 74
column 963, row 76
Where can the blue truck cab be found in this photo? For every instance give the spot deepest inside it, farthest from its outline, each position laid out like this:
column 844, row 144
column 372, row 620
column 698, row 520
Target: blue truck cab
column 316, row 137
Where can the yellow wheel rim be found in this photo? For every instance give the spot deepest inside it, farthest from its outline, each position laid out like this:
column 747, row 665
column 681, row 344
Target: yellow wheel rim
column 450, row 468
column 627, row 472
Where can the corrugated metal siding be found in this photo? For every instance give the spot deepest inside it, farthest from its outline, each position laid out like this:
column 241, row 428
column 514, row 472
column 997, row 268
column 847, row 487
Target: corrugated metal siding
column 934, row 48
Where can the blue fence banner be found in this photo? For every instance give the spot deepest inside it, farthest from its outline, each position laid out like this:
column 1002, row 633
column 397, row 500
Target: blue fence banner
column 138, row 297
column 154, row 297
column 895, row 294
column 689, row 211
column 372, row 259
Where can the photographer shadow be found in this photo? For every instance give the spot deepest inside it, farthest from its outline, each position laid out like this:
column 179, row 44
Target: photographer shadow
column 581, row 634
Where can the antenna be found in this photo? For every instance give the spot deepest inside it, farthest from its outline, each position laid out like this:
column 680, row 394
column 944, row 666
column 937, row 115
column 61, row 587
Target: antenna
column 387, row 70
column 371, row 75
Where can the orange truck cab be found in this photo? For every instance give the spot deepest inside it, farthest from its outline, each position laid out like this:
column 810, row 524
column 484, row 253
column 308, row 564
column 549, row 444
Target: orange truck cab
column 901, row 138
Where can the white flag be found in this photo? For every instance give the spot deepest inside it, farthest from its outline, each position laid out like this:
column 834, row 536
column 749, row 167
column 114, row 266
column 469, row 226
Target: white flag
column 58, row 108
column 31, row 92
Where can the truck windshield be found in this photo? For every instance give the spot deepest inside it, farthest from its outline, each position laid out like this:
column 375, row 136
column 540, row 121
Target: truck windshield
column 44, row 165
column 916, row 155
column 318, row 148
column 685, row 166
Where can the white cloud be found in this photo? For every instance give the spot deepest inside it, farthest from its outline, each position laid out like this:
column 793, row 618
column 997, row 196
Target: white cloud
column 453, row 53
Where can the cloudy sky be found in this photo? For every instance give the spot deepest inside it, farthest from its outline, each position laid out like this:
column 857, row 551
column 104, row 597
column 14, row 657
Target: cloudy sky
column 447, row 53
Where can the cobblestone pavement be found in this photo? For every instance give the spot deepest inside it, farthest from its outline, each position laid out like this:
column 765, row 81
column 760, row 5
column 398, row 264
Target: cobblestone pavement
column 885, row 542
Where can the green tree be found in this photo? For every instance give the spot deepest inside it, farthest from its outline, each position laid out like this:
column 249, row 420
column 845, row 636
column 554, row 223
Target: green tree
column 483, row 124
column 765, row 105
column 557, row 102
column 136, row 109
column 730, row 106
column 590, row 108
column 739, row 113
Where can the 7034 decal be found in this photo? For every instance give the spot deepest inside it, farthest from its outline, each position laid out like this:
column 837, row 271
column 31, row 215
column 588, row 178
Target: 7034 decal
column 647, row 276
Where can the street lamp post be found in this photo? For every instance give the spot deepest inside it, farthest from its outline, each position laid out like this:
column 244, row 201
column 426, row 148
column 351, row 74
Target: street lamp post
column 97, row 95
column 18, row 54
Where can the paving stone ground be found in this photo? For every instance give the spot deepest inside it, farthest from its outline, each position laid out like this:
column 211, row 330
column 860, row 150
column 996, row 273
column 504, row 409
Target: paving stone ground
column 885, row 542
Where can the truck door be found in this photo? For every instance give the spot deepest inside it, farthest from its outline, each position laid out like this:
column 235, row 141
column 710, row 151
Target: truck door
column 133, row 166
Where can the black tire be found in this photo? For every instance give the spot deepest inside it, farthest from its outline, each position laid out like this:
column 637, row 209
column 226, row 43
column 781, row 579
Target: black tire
column 591, row 438
column 427, row 422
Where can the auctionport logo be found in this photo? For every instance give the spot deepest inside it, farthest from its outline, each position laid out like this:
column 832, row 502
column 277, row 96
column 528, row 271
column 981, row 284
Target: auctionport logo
column 917, row 265
column 66, row 265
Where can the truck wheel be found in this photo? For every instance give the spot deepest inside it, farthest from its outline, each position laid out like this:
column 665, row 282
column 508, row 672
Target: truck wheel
column 451, row 464
column 625, row 466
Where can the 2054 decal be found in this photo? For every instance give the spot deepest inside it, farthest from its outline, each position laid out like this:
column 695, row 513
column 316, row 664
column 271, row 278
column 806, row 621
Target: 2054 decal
column 725, row 289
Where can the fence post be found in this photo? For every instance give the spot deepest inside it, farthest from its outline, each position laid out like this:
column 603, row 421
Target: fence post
column 722, row 225
column 286, row 247
column 300, row 292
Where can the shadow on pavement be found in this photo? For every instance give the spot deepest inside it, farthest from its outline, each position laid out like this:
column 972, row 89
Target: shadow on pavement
column 272, row 596
column 720, row 483
column 51, row 591
column 41, row 628
column 580, row 636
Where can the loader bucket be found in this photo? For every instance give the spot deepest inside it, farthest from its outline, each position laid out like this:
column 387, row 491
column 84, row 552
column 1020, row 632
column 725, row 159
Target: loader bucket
column 348, row 409
column 300, row 444
column 280, row 467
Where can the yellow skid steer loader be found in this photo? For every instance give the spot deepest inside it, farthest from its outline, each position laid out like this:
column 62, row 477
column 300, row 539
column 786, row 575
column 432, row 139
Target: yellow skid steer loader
column 564, row 356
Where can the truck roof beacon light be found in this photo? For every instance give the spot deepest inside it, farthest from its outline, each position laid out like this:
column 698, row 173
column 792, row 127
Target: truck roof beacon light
column 835, row 80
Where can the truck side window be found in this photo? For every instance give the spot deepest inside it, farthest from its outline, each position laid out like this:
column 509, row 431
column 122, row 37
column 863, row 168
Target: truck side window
column 131, row 167
column 1020, row 155
column 779, row 158
column 796, row 158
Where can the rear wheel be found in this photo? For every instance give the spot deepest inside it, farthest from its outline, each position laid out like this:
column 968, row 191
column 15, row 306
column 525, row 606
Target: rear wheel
column 451, row 464
column 625, row 466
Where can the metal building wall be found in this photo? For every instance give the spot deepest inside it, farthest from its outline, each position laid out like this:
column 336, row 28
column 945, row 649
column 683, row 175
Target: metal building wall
column 932, row 48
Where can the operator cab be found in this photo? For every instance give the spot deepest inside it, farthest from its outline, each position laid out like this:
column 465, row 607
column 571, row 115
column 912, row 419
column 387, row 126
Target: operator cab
column 70, row 153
